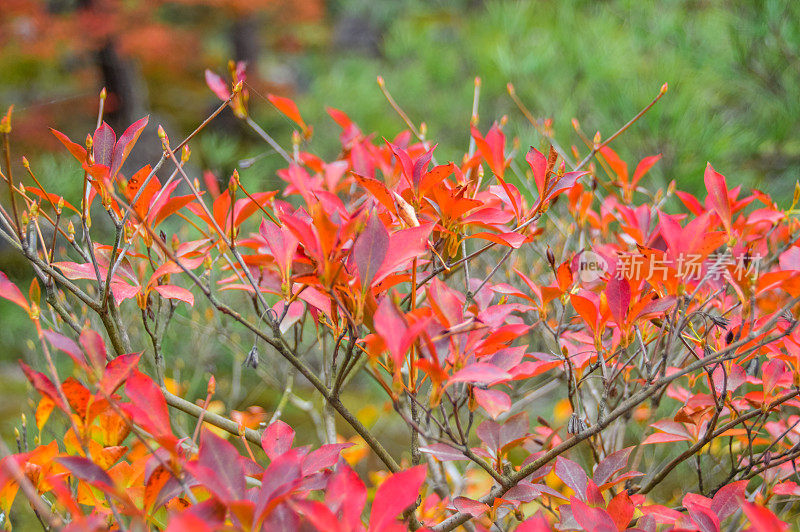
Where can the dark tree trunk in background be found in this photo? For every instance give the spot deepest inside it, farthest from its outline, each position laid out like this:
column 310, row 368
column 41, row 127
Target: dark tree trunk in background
column 246, row 43
column 126, row 92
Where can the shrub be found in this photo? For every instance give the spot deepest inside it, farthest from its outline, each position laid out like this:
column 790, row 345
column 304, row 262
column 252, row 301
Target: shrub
column 556, row 349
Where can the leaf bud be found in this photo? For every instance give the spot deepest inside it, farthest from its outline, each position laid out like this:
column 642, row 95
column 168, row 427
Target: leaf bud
column 25, row 162
column 381, row 82
column 5, row 122
column 664, row 88
column 186, row 152
column 233, row 183
column 551, row 259
column 212, row 386
column 575, row 124
column 509, row 87
column 60, row 205
column 596, row 140
column 796, row 197
column 70, row 231
column 89, row 142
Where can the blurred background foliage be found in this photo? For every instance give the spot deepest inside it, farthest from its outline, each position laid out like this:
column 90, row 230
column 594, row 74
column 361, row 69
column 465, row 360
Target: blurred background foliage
column 733, row 68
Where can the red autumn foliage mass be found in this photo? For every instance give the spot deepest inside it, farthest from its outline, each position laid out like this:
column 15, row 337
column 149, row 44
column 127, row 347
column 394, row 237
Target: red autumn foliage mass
column 558, row 342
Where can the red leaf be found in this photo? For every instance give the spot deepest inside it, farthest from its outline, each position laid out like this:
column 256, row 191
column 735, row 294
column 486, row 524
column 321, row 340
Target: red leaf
column 572, row 475
column 289, row 108
column 538, row 164
column 397, row 493
column 217, row 85
column 378, row 190
column 618, row 295
column 170, row 291
column 125, row 144
column 621, row 509
column 220, row 468
column 494, row 402
column 370, row 250
column 103, row 145
column 404, row 245
column 43, row 385
column 643, row 167
column 150, row 410
column 510, row 239
column 55, row 198
column 116, row 372
column 718, row 194
column 9, row 290
column 762, row 519
column 619, row 166
column 77, row 151
column 277, row 439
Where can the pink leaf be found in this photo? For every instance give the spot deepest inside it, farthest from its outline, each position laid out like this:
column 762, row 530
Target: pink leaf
column 67, row 345
column 170, row 291
column 469, row 506
column 572, row 475
column 610, row 465
column 564, row 183
column 704, row 518
column 94, row 347
column 404, row 245
column 346, row 495
column 479, row 372
column 663, row 437
column 726, row 500
column 391, row 326
column 397, row 493
column 444, row 452
column 217, row 85
column 494, row 402
column 277, row 439
column 9, row 290
column 282, row 244
column 220, row 468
